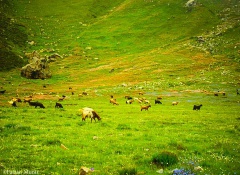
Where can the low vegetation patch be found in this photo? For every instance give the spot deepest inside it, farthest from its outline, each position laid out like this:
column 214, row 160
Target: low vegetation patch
column 164, row 159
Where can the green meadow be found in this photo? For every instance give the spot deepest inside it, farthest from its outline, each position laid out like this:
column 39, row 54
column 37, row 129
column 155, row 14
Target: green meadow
column 158, row 47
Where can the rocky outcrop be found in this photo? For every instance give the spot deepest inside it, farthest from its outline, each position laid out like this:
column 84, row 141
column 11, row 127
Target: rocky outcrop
column 37, row 68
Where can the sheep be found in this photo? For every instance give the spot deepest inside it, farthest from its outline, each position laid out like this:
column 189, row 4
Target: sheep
column 89, row 112
column 145, row 107
column 85, row 114
column 113, row 101
column 129, row 101
column 58, row 105
column 158, row 101
column 175, row 103
column 197, row 107
column 36, row 104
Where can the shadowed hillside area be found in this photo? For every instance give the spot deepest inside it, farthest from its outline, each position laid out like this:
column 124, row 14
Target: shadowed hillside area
column 13, row 38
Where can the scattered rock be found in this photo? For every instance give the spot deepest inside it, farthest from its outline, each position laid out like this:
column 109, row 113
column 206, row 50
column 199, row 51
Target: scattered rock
column 37, row 68
column 160, row 171
column 53, row 57
column 85, row 170
column 191, row 3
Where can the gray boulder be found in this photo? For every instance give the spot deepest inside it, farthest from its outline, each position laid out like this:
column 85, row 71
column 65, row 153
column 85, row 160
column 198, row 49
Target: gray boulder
column 191, row 3
column 37, row 68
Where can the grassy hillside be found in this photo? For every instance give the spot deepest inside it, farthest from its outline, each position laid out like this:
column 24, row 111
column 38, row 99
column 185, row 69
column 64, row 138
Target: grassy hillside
column 134, row 38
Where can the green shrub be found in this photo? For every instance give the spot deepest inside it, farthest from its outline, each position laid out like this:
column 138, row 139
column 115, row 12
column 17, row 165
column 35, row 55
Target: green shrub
column 128, row 171
column 164, row 159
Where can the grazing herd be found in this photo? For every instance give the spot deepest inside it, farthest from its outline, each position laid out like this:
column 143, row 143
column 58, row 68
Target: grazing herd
column 144, row 103
column 87, row 112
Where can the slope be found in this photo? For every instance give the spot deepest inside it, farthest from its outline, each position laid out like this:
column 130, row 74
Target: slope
column 134, row 41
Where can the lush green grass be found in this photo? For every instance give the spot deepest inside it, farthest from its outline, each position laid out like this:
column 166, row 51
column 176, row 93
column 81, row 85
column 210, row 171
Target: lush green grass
column 126, row 138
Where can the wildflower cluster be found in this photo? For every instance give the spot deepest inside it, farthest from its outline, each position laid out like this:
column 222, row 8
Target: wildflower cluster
column 182, row 172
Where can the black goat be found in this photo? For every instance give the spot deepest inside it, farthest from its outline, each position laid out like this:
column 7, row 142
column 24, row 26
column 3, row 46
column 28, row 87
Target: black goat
column 197, row 107
column 36, row 104
column 128, row 97
column 14, row 104
column 158, row 102
column 2, row 92
column 58, row 105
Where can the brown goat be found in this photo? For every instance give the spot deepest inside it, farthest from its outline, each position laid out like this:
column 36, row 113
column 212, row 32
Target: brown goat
column 175, row 103
column 113, row 101
column 145, row 107
column 27, row 99
column 61, row 98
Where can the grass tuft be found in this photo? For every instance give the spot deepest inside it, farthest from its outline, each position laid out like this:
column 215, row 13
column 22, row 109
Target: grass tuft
column 52, row 142
column 164, row 159
column 123, row 127
column 128, row 171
